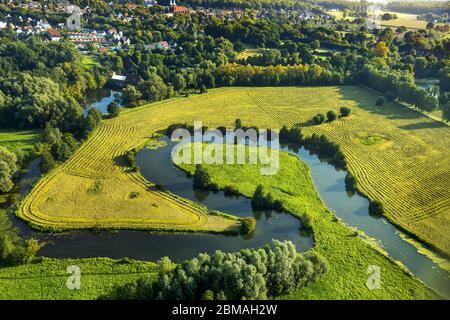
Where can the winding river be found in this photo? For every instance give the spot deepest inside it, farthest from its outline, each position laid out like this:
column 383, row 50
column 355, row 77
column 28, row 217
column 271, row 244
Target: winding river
column 156, row 166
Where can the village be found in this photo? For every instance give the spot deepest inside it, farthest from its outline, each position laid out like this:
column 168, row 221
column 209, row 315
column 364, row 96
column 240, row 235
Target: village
column 112, row 39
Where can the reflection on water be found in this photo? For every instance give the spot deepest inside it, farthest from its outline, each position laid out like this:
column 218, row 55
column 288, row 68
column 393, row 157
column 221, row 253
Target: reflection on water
column 100, row 99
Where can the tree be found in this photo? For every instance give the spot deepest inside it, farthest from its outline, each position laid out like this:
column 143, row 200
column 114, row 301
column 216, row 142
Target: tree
column 203, row 89
column 202, row 178
column 93, row 119
column 8, row 168
column 130, row 95
column 113, row 109
column 315, row 44
column 47, row 162
column 262, row 200
column 318, row 118
column 345, row 111
column 376, row 208
column 275, row 269
column 331, row 115
column 51, row 134
column 179, row 82
column 237, row 124
column 380, row 101
column 381, row 49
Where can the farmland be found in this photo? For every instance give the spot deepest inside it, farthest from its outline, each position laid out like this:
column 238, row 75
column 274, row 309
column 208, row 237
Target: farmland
column 407, row 170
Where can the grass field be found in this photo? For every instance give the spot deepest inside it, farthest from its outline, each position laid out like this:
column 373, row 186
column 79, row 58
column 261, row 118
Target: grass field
column 14, row 139
column 408, row 171
column 348, row 255
column 47, row 279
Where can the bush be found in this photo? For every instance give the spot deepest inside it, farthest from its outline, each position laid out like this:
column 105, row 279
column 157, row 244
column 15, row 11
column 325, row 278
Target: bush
column 12, row 254
column 331, row 115
column 130, row 158
column 376, row 208
column 202, row 178
column 47, row 162
column 345, row 111
column 350, row 182
column 380, row 101
column 248, row 225
column 262, row 200
column 390, row 96
column 113, row 109
column 318, row 118
column 230, row 191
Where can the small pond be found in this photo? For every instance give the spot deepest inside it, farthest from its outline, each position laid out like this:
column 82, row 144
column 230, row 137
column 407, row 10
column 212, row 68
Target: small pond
column 101, row 98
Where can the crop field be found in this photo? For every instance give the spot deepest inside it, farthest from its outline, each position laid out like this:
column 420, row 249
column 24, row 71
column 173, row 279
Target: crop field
column 94, row 190
column 398, row 156
column 14, row 139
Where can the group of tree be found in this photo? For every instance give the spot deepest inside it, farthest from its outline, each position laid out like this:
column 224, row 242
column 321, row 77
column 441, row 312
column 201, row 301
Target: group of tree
column 398, row 86
column 267, row 272
column 16, row 252
column 8, row 168
column 324, row 147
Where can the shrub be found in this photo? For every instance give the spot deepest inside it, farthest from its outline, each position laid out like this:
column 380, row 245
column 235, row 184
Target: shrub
column 380, row 101
column 237, row 124
column 350, row 182
column 291, row 135
column 113, row 109
column 262, row 200
column 248, row 225
column 318, row 119
column 376, row 208
column 345, row 111
column 47, row 162
column 390, row 96
column 331, row 115
column 160, row 187
column 230, row 191
column 202, row 178
column 12, row 253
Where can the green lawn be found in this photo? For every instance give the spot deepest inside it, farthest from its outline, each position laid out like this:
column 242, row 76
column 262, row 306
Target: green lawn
column 47, row 279
column 14, row 139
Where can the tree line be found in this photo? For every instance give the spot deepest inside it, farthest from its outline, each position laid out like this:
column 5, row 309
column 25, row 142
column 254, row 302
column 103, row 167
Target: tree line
column 275, row 269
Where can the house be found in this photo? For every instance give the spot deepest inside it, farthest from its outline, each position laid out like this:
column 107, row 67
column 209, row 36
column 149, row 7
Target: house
column 87, row 36
column 54, row 34
column 162, row 45
column 174, row 8
column 103, row 50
